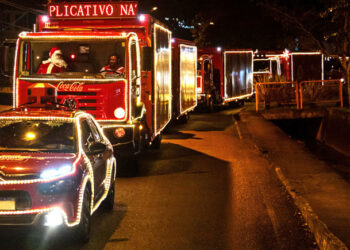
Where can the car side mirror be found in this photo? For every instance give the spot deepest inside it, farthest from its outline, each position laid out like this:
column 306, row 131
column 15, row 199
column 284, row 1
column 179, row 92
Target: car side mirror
column 97, row 148
column 147, row 55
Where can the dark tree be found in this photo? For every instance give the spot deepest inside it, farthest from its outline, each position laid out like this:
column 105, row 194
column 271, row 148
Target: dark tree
column 319, row 24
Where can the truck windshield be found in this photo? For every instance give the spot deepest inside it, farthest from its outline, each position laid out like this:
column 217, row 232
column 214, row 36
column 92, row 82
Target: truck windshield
column 85, row 58
column 37, row 136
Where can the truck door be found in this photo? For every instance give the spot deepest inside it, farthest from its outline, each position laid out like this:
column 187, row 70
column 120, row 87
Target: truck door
column 135, row 78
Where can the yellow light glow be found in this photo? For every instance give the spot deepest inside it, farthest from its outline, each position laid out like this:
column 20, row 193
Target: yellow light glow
column 29, row 136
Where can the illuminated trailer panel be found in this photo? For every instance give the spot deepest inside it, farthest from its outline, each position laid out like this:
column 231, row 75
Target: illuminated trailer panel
column 188, row 73
column 307, row 66
column 300, row 66
column 238, row 75
column 162, row 78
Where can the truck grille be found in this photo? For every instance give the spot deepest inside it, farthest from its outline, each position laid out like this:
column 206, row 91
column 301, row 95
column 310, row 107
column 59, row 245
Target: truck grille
column 22, row 198
column 91, row 101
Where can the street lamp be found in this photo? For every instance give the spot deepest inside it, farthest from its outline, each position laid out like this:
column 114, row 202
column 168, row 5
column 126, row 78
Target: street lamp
column 154, row 8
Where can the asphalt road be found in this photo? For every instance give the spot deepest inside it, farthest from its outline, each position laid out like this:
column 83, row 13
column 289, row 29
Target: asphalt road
column 208, row 187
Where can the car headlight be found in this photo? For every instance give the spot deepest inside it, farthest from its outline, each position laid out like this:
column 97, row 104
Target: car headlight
column 56, row 172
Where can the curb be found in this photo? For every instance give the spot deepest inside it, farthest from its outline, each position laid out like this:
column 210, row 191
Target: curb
column 324, row 237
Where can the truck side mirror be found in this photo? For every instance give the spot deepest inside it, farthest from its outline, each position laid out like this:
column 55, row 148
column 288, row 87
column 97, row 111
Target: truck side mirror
column 147, row 55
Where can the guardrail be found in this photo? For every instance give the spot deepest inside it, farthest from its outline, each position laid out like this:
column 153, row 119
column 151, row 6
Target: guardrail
column 322, row 91
column 281, row 93
column 304, row 92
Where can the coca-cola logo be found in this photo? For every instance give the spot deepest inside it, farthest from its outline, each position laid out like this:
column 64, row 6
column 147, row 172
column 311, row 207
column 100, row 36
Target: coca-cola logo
column 75, row 86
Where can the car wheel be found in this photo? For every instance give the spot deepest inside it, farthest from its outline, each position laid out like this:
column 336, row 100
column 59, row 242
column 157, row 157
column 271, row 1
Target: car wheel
column 83, row 229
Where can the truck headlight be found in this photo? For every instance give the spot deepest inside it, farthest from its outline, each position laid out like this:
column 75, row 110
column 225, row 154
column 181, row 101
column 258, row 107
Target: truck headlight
column 119, row 113
column 56, row 172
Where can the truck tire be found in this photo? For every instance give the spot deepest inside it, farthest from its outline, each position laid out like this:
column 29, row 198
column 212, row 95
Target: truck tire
column 82, row 231
column 157, row 142
column 210, row 106
column 128, row 166
column 184, row 119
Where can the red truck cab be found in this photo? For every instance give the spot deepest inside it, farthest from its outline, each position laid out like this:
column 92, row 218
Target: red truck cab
column 132, row 107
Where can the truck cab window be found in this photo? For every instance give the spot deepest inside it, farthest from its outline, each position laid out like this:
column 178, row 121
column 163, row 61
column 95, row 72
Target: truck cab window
column 59, row 58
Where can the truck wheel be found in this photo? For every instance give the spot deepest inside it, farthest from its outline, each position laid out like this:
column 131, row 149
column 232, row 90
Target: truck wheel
column 128, row 166
column 83, row 229
column 183, row 119
column 210, row 106
column 108, row 203
column 156, row 142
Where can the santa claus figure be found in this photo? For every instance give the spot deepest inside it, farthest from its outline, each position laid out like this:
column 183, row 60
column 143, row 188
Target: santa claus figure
column 55, row 64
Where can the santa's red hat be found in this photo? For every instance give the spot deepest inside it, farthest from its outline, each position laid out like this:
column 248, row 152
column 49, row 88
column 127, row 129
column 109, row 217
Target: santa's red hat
column 55, row 50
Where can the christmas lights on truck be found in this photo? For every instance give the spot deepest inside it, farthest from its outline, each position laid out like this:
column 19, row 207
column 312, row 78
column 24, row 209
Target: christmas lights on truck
column 105, row 59
column 224, row 76
column 184, row 73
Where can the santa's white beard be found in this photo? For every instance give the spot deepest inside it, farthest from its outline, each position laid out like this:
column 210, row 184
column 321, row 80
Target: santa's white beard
column 58, row 61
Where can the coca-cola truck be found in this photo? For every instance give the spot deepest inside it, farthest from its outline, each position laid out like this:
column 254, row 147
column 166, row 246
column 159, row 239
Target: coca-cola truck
column 298, row 66
column 184, row 73
column 133, row 101
column 225, row 76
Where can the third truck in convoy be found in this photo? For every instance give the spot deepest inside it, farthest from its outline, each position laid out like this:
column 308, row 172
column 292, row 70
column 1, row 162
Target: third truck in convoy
column 224, row 76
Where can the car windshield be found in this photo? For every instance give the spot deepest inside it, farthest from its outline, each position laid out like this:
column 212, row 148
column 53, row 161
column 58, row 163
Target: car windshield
column 83, row 58
column 37, row 136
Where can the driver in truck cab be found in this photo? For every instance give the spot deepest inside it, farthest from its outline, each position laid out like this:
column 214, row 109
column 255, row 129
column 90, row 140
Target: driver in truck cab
column 113, row 67
column 55, row 63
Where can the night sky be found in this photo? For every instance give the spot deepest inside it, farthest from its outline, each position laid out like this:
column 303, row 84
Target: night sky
column 237, row 24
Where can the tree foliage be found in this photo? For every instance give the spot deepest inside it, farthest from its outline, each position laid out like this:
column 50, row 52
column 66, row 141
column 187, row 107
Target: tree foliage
column 319, row 24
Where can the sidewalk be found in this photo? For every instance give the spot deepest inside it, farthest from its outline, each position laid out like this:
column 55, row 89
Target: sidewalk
column 321, row 194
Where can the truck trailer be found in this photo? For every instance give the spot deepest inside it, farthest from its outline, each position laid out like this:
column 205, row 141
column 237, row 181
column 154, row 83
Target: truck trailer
column 184, row 73
column 225, row 76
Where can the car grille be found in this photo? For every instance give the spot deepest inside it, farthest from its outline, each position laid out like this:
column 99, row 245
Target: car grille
column 22, row 198
column 17, row 177
column 13, row 220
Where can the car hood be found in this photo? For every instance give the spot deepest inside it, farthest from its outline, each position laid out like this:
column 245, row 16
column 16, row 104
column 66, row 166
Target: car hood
column 16, row 164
